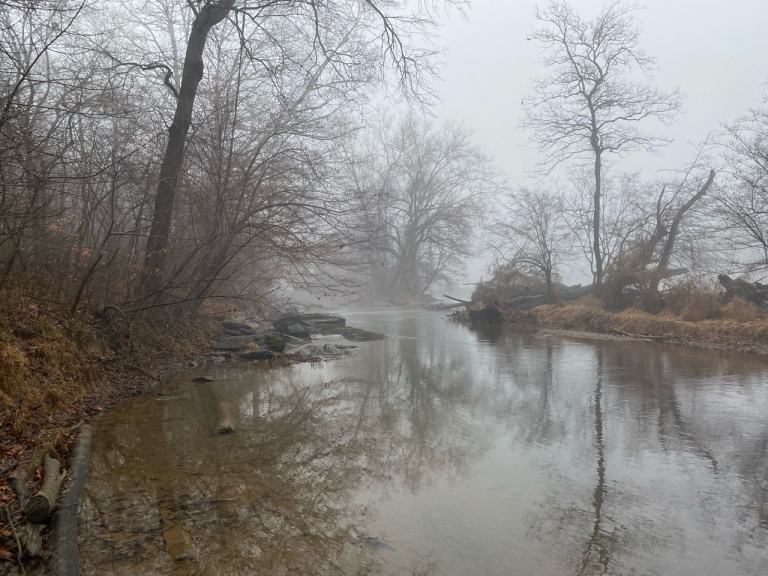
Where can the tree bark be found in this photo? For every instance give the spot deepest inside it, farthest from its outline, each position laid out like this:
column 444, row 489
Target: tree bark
column 157, row 243
column 598, row 285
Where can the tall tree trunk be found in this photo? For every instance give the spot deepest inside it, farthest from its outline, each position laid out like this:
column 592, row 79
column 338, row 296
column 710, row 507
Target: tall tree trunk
column 157, row 243
column 596, row 223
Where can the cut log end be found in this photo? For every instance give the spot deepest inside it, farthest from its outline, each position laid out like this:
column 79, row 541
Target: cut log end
column 227, row 418
column 41, row 504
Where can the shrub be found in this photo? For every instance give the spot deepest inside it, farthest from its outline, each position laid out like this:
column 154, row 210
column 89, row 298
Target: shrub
column 739, row 310
column 702, row 307
column 693, row 292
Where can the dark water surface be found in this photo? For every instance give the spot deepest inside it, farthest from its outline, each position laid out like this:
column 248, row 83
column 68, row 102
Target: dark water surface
column 442, row 450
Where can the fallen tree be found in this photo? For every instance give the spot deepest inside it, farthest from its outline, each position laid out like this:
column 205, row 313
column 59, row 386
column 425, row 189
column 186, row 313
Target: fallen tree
column 753, row 292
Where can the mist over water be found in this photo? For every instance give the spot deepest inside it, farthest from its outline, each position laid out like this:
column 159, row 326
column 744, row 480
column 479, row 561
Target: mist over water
column 442, row 450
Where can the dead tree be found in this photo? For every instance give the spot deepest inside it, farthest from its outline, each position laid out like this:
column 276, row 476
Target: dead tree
column 756, row 293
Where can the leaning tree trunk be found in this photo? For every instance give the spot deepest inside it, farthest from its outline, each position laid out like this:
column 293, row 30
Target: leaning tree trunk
column 669, row 245
column 157, row 243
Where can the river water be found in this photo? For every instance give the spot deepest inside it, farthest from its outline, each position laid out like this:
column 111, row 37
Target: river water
column 442, row 450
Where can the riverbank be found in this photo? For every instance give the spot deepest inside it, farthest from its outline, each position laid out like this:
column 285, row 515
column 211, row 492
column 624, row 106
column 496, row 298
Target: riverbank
column 743, row 328
column 59, row 371
column 56, row 373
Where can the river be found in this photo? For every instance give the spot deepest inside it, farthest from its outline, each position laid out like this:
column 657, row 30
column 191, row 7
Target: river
column 441, row 450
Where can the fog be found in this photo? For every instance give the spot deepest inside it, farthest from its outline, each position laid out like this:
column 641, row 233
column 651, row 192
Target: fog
column 716, row 52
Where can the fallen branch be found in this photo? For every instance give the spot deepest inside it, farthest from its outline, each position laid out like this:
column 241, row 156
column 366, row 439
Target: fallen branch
column 465, row 302
column 147, row 374
column 16, row 536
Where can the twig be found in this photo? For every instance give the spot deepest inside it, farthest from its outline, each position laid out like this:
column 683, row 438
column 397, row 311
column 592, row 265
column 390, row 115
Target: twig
column 147, row 374
column 16, row 536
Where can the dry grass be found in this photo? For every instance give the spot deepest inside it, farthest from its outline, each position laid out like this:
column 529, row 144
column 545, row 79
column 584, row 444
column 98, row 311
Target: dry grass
column 704, row 307
column 50, row 362
column 742, row 325
column 574, row 317
column 739, row 310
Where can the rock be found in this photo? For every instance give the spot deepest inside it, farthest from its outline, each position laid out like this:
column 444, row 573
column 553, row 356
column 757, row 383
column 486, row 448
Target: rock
column 217, row 359
column 233, row 343
column 240, row 327
column 360, row 335
column 203, row 378
column 302, row 325
column 373, row 542
column 257, row 355
column 186, row 556
column 274, row 342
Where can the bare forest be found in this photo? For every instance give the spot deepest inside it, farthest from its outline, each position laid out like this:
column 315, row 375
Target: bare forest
column 158, row 154
column 190, row 190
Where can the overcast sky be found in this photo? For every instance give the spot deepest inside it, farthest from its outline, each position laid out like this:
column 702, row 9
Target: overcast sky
column 716, row 52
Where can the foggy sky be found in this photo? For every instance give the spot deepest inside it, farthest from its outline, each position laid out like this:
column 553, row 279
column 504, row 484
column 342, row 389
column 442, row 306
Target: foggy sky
column 715, row 51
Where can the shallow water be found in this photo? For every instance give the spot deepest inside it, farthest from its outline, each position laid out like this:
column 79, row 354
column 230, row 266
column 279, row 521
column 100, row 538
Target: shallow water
column 442, row 450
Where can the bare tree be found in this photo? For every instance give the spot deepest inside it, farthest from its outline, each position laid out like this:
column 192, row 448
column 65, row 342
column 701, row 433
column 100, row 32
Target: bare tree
column 425, row 188
column 623, row 215
column 532, row 236
column 743, row 201
column 589, row 104
column 387, row 25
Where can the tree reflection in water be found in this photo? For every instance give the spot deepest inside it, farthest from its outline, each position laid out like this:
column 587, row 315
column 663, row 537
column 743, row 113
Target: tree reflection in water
column 488, row 451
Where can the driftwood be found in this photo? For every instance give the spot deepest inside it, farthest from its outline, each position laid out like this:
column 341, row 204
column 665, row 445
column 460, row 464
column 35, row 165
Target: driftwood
column 446, row 306
column 41, row 504
column 227, row 418
column 639, row 336
column 460, row 301
column 756, row 293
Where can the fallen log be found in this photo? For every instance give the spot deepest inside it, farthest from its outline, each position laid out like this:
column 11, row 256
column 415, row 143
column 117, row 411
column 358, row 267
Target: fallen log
column 465, row 302
column 227, row 418
column 616, row 332
column 528, row 301
column 756, row 293
column 446, row 306
column 41, row 504
column 63, row 541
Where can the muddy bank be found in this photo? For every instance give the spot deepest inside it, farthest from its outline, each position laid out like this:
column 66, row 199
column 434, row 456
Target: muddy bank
column 44, row 418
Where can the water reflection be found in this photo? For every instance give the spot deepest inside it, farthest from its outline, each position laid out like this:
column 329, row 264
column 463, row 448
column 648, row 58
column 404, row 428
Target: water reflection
column 447, row 451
